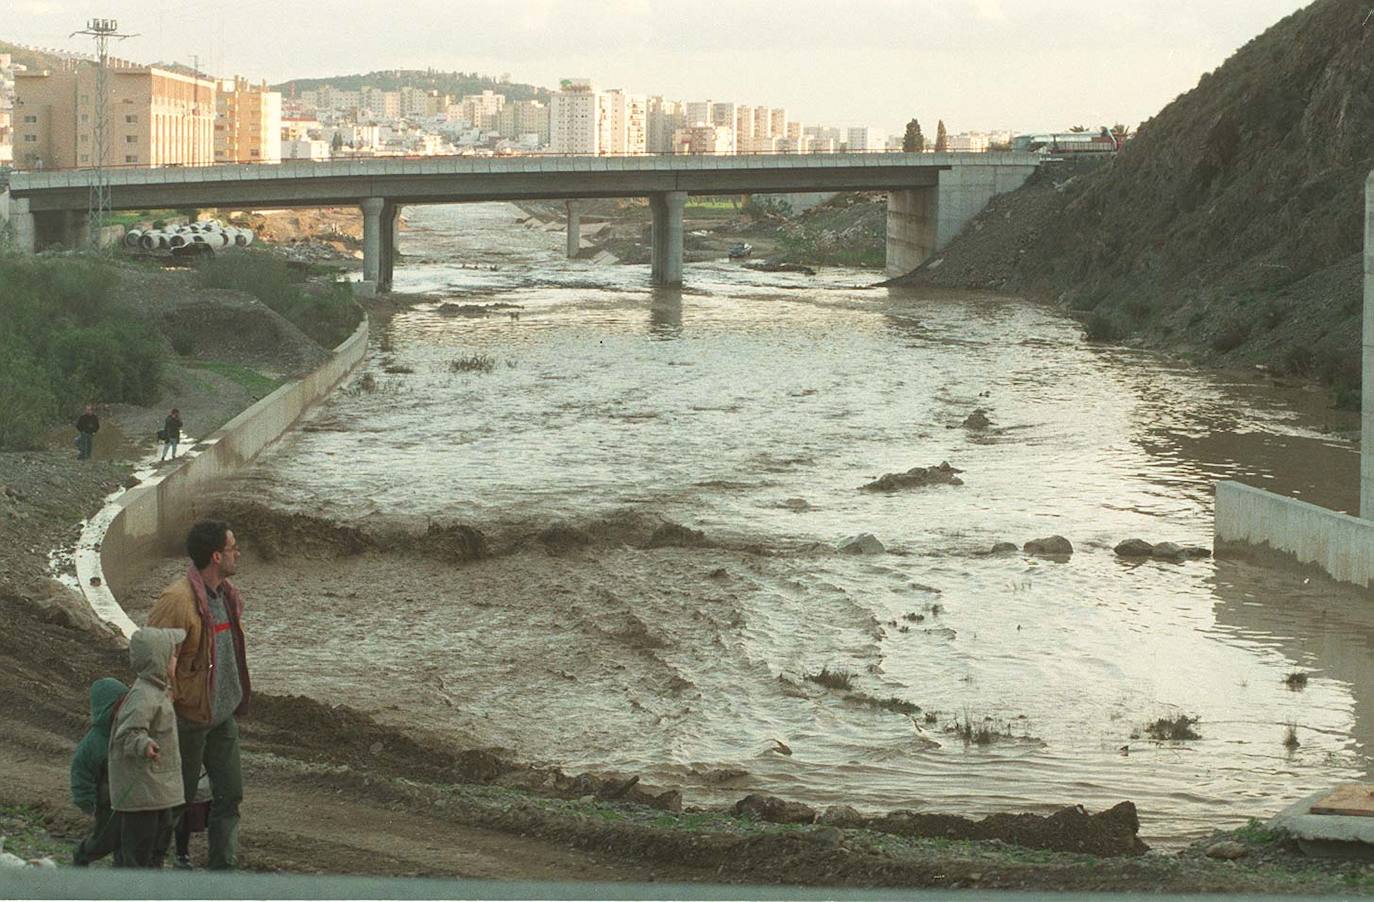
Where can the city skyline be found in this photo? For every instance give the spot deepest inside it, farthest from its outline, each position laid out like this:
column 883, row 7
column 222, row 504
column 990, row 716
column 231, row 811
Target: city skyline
column 976, row 64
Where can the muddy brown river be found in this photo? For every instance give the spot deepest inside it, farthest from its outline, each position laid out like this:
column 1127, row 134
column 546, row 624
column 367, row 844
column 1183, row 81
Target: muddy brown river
column 752, row 406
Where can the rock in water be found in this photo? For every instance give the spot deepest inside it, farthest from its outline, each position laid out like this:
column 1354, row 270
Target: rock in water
column 863, row 543
column 977, row 420
column 915, row 478
column 1003, row 548
column 1134, row 548
column 1053, row 546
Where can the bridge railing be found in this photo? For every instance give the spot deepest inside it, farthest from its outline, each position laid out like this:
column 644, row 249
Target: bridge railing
column 368, row 157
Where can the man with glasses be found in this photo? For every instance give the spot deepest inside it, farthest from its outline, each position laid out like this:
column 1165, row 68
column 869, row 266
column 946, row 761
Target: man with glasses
column 211, row 685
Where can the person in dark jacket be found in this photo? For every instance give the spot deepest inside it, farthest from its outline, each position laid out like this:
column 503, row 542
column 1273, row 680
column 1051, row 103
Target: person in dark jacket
column 87, row 425
column 90, row 775
column 171, row 433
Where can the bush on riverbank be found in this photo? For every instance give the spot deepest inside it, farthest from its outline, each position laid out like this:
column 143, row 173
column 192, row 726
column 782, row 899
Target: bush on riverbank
column 64, row 344
column 326, row 313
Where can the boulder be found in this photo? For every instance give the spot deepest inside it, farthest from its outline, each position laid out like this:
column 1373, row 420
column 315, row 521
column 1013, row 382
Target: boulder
column 675, row 535
column 841, row 816
column 1134, row 548
column 1167, row 551
column 1052, row 546
column 863, row 543
column 978, row 420
column 61, row 604
column 775, row 810
column 915, row 478
column 1003, row 548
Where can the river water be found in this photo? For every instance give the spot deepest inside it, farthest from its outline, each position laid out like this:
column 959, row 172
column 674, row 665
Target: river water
column 752, row 406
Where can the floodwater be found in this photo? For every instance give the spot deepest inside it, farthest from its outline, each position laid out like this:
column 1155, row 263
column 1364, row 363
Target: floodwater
column 723, row 408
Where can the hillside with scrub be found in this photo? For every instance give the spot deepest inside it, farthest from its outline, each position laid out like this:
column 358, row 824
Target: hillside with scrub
column 1230, row 226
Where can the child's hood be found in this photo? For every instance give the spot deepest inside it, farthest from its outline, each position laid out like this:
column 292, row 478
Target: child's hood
column 151, row 649
column 105, row 692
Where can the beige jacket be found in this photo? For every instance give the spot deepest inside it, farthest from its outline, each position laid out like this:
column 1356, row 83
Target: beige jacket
column 145, row 716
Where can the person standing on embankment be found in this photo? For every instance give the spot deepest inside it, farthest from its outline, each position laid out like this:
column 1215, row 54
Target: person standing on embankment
column 171, row 433
column 87, row 425
column 211, row 685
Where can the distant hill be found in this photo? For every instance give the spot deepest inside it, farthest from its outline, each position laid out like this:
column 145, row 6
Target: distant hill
column 1232, row 224
column 455, row 83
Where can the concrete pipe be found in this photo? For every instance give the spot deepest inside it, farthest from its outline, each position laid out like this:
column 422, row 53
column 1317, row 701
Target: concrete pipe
column 132, row 238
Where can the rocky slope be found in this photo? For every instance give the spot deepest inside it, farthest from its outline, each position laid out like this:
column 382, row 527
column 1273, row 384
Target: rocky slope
column 1231, row 224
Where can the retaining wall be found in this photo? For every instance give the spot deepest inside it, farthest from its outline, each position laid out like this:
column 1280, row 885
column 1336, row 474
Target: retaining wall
column 1339, row 544
column 151, row 519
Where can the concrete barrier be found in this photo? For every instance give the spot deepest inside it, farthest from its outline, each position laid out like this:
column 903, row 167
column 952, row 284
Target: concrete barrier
column 151, row 519
column 1249, row 519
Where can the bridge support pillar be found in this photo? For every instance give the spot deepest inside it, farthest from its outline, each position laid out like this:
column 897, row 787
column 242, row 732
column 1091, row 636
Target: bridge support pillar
column 913, row 217
column 24, row 225
column 379, row 244
column 666, row 260
column 574, row 229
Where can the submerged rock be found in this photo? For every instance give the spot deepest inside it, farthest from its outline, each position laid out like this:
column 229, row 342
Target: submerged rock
column 1052, row 546
column 915, row 478
column 1003, row 548
column 977, row 420
column 1134, row 548
column 863, row 543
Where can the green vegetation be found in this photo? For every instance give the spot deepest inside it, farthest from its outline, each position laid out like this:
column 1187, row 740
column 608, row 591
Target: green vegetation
column 63, row 344
column 1173, row 729
column 255, row 383
column 328, row 314
column 455, row 83
column 810, row 245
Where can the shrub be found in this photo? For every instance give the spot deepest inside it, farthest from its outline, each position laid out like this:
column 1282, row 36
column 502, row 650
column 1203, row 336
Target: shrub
column 832, row 679
column 1176, row 729
column 328, row 315
column 475, row 363
column 30, row 404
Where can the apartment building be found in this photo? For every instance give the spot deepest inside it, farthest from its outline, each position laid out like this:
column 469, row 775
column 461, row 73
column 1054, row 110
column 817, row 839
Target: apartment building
column 700, row 112
column 574, row 118
column 248, row 123
column 663, row 119
column 621, row 121
column 483, row 110
column 154, row 117
column 866, row 139
column 704, row 139
column 524, row 117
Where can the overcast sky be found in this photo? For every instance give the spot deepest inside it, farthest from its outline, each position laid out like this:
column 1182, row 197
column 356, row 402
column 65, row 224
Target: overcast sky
column 977, row 64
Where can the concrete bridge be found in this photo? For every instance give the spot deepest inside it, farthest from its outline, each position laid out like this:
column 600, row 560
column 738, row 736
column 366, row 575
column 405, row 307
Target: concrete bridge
column 930, row 196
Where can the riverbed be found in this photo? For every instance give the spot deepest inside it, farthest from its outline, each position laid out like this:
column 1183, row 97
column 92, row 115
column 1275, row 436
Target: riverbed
column 752, row 407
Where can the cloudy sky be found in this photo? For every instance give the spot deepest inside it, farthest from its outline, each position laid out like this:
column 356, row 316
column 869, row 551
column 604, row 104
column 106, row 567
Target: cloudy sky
column 977, row 64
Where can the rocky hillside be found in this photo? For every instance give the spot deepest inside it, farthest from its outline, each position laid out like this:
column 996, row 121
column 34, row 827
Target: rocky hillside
column 1232, row 224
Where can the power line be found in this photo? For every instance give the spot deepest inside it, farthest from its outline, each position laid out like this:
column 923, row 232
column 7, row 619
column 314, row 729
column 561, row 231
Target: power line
column 98, row 208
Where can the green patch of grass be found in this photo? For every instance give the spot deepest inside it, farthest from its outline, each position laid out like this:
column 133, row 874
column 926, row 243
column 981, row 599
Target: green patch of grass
column 250, row 380
column 26, row 835
column 1256, row 833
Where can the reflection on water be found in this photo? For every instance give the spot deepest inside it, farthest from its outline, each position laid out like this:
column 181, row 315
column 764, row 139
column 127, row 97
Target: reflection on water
column 752, row 406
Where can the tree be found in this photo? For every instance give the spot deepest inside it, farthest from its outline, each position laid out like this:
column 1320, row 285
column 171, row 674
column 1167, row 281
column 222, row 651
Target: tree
column 941, row 138
column 336, row 145
column 1079, row 129
column 913, row 141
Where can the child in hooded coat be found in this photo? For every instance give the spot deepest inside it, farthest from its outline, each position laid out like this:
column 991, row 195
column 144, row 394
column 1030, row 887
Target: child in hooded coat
column 145, row 759
column 90, row 775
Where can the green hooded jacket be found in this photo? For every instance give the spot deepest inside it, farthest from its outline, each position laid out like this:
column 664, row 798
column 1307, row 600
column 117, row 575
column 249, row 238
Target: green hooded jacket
column 94, row 749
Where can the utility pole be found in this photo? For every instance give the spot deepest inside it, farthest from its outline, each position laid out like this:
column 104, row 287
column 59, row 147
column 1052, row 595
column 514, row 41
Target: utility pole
column 98, row 209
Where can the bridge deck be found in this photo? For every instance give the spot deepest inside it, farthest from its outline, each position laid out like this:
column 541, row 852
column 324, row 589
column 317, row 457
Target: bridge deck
column 461, row 178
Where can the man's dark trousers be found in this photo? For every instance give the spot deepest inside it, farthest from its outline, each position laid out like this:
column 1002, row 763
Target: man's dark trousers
column 217, row 749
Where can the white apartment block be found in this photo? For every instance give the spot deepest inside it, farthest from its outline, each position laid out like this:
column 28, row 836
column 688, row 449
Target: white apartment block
column 865, row 139
column 664, row 118
column 483, row 110
column 621, row 123
column 744, row 126
column 704, row 139
column 968, row 142
column 699, row 112
column 304, row 150
column 524, row 117
column 778, row 125
column 574, row 117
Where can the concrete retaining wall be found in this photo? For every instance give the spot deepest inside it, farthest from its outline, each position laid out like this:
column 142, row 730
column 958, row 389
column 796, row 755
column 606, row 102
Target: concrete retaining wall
column 151, row 519
column 1339, row 544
